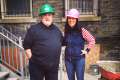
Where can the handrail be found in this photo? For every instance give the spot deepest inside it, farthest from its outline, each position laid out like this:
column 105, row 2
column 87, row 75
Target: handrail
column 8, row 34
column 12, row 53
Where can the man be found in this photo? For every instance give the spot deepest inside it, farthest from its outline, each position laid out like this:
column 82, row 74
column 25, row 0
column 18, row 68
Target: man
column 43, row 46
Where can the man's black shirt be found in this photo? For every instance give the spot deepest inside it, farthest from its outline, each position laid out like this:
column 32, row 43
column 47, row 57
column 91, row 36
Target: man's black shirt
column 45, row 44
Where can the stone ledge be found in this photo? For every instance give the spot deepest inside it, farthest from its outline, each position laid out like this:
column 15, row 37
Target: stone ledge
column 87, row 18
column 19, row 20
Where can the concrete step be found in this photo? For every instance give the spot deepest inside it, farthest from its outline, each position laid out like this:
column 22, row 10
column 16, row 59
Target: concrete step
column 12, row 79
column 3, row 75
column 5, row 69
column 6, row 74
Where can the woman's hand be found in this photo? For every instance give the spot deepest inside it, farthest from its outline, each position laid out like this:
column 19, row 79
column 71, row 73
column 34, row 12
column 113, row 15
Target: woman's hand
column 83, row 52
column 86, row 51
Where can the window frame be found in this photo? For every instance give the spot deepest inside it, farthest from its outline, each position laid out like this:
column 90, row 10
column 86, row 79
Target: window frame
column 16, row 16
column 95, row 8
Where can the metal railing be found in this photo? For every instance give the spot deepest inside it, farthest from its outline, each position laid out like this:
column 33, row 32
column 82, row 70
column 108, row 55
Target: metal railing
column 4, row 32
column 12, row 54
column 85, row 12
column 85, row 7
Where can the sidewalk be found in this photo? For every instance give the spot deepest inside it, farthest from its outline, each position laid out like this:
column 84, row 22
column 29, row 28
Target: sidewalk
column 91, row 77
column 63, row 76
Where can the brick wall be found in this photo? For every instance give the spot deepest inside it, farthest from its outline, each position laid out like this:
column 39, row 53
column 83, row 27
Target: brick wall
column 58, row 4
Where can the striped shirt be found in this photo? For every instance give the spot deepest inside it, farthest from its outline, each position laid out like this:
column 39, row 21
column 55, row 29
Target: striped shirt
column 89, row 38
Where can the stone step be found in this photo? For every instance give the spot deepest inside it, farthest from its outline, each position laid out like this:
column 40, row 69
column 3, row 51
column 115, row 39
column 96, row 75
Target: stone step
column 3, row 75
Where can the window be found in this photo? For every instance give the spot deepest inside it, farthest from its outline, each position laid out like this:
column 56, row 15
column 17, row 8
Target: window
column 85, row 7
column 16, row 8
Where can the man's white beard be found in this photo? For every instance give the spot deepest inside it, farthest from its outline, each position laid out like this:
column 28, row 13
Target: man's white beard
column 47, row 23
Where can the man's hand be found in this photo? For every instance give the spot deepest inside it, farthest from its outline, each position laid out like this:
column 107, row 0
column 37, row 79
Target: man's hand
column 28, row 54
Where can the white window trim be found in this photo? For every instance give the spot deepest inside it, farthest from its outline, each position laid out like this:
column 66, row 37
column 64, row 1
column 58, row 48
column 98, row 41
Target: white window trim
column 95, row 7
column 4, row 16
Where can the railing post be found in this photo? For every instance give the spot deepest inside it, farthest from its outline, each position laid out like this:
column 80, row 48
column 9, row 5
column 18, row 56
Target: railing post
column 20, row 41
column 21, row 61
column 0, row 51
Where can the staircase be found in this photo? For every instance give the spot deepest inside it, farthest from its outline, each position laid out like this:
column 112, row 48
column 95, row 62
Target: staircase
column 13, row 64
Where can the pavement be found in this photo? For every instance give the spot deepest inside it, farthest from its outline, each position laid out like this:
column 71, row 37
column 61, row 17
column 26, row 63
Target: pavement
column 63, row 76
column 91, row 77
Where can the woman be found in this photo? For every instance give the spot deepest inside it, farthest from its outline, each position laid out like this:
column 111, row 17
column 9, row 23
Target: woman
column 74, row 40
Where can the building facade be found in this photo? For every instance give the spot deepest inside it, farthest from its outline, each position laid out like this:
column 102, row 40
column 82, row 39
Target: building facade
column 100, row 17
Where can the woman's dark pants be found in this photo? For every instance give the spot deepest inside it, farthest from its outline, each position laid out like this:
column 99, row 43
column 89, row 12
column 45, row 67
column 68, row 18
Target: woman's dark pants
column 75, row 66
